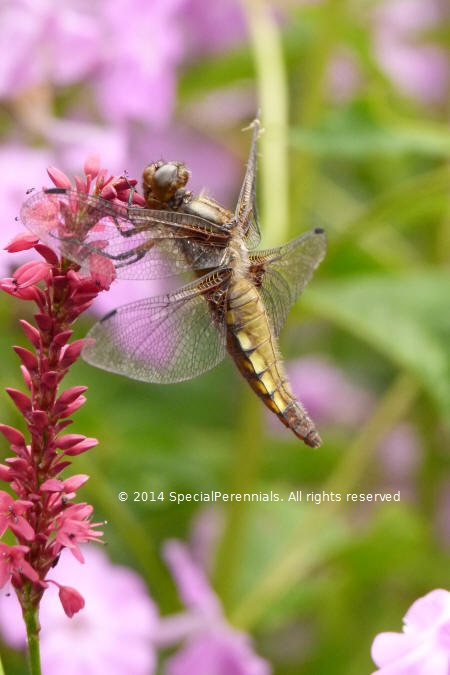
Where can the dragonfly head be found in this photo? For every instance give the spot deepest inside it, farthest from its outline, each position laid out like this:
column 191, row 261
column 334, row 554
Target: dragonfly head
column 164, row 184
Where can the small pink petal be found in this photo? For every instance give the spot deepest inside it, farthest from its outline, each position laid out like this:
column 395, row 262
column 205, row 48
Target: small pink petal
column 92, row 165
column 71, row 600
column 32, row 272
column 58, row 177
column 22, row 242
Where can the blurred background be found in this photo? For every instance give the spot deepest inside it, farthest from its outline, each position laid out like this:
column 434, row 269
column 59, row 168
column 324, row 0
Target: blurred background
column 354, row 100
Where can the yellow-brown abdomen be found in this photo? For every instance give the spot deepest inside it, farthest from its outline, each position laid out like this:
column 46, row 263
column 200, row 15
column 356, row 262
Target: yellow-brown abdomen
column 251, row 343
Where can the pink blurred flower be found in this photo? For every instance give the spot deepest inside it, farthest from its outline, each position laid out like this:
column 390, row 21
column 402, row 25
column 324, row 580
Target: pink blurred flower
column 212, row 26
column 137, row 75
column 327, row 392
column 210, row 645
column 400, row 453
column 130, row 63
column 424, row 645
column 344, row 77
column 114, row 631
column 41, row 45
column 417, row 66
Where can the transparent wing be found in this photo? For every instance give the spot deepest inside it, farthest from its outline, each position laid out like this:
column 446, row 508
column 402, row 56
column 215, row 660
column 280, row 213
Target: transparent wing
column 246, row 211
column 140, row 243
column 282, row 273
column 164, row 339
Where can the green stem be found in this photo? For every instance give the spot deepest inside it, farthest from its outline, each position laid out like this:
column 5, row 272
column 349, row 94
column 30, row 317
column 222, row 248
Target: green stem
column 31, row 618
column 271, row 80
column 305, row 548
column 2, row 672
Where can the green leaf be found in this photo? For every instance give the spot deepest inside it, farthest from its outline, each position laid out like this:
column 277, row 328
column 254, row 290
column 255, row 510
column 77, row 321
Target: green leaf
column 404, row 316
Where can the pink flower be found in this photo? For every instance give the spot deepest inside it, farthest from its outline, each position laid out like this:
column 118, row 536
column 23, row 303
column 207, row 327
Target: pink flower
column 73, row 527
column 136, row 78
column 71, row 600
column 210, row 645
column 13, row 566
column 424, row 645
column 213, row 26
column 416, row 65
column 112, row 634
column 44, row 512
column 327, row 393
column 11, row 516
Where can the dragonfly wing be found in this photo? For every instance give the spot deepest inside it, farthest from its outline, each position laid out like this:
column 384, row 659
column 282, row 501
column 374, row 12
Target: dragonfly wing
column 246, row 211
column 282, row 273
column 139, row 243
column 164, row 339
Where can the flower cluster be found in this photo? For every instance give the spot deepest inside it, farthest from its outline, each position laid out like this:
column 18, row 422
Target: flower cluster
column 43, row 516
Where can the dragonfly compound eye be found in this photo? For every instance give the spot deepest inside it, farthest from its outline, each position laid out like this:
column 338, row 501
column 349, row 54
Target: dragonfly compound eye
column 163, row 180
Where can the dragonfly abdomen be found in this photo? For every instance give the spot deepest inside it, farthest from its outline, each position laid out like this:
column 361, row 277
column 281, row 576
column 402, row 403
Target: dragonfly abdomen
column 251, row 344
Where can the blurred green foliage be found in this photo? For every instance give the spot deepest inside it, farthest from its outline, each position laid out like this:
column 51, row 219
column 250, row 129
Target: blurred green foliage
column 314, row 583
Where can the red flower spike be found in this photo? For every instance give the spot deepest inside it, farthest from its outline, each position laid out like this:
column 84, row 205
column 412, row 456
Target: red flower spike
column 31, row 332
column 61, row 296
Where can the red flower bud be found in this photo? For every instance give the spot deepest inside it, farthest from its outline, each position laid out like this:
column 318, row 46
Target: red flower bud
column 28, row 359
column 32, row 333
column 14, row 436
column 58, row 177
column 21, row 400
column 71, row 600
column 22, row 242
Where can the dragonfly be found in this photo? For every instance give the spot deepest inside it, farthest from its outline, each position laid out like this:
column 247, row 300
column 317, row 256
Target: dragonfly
column 236, row 301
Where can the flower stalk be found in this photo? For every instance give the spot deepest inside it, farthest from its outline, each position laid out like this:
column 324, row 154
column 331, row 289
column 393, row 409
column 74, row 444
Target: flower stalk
column 39, row 509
